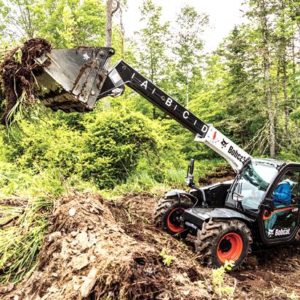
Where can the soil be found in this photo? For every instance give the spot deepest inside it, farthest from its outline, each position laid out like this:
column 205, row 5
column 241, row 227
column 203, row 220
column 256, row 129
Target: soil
column 99, row 249
column 18, row 72
column 222, row 173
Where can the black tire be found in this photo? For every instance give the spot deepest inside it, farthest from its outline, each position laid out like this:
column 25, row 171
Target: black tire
column 167, row 213
column 219, row 239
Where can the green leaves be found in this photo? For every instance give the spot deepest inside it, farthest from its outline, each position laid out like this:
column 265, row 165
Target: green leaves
column 166, row 258
column 65, row 23
column 114, row 143
column 220, row 287
column 188, row 47
column 153, row 42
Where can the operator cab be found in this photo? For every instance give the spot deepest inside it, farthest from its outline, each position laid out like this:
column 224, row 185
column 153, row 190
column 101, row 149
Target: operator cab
column 279, row 211
column 269, row 190
column 212, row 195
column 251, row 184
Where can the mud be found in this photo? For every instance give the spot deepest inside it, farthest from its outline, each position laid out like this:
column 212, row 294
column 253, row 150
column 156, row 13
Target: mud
column 269, row 273
column 99, row 249
column 18, row 71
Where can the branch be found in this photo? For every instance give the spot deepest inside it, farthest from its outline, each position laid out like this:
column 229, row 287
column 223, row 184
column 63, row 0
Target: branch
column 116, row 8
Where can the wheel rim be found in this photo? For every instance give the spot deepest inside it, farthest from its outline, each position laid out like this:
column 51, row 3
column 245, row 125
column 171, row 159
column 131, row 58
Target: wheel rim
column 230, row 247
column 173, row 220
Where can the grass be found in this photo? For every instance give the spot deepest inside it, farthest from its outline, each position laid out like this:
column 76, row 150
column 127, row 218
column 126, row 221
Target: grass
column 21, row 239
column 19, row 246
column 166, row 258
column 144, row 181
column 20, row 242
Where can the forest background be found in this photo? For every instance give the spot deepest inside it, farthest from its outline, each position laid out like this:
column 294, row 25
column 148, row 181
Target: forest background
column 249, row 88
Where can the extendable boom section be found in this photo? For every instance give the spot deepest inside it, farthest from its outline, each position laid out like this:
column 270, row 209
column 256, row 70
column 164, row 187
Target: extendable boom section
column 122, row 74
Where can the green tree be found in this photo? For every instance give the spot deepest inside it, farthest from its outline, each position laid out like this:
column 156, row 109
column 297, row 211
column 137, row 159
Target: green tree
column 16, row 20
column 273, row 37
column 188, row 47
column 152, row 56
column 244, row 117
column 65, row 23
column 71, row 23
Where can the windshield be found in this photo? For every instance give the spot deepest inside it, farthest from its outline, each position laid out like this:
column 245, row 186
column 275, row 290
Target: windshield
column 252, row 184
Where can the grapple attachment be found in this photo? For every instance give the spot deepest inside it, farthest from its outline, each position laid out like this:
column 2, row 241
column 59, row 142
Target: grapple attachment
column 73, row 78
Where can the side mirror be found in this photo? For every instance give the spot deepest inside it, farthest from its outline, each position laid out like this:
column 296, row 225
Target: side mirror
column 190, row 174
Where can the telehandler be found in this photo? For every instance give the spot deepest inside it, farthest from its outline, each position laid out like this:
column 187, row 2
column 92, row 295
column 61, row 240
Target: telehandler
column 224, row 218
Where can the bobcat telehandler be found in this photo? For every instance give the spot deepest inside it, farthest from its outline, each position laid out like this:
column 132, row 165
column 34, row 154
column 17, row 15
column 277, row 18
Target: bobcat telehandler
column 224, row 218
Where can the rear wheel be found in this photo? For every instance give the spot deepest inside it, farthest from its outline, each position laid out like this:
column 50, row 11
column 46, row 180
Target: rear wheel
column 221, row 241
column 168, row 212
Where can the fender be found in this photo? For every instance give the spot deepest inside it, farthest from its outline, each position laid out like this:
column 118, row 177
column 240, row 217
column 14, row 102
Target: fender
column 177, row 193
column 198, row 215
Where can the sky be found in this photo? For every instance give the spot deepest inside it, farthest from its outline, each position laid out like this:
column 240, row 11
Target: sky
column 223, row 15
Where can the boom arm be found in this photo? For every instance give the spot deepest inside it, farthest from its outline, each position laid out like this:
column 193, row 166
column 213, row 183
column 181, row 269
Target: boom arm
column 77, row 78
column 122, row 74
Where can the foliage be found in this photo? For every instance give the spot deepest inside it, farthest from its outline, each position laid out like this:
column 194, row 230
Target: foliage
column 167, row 259
column 65, row 23
column 218, row 281
column 114, row 142
column 28, row 219
column 152, row 46
column 20, row 244
column 188, row 46
column 41, row 146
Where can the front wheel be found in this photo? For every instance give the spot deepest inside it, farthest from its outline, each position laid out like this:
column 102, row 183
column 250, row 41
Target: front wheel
column 168, row 212
column 221, row 241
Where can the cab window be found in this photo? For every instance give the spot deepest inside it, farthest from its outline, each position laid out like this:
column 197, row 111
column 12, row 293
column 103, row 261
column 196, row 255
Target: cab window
column 287, row 190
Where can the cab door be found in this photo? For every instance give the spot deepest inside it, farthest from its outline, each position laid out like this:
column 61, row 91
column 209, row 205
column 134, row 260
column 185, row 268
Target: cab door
column 279, row 216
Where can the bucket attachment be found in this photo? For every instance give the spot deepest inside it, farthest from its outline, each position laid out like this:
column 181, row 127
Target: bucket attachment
column 73, row 78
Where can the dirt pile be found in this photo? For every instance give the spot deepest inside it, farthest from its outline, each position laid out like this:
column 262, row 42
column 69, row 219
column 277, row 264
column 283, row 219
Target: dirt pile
column 90, row 253
column 99, row 249
column 271, row 273
column 18, row 72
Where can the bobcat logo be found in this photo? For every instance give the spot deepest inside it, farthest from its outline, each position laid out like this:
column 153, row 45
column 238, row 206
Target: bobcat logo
column 224, row 143
column 271, row 232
